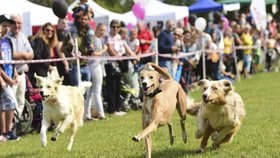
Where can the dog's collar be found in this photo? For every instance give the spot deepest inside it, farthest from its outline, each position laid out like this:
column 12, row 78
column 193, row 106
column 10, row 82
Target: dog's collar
column 158, row 90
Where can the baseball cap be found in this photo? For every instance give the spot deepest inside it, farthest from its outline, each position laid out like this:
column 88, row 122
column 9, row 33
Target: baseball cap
column 6, row 18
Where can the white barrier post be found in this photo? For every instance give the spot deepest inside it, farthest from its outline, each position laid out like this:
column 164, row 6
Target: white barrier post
column 203, row 58
column 156, row 50
column 78, row 61
column 203, row 64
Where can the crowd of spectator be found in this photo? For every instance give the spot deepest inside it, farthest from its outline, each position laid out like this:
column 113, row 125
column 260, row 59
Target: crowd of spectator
column 223, row 59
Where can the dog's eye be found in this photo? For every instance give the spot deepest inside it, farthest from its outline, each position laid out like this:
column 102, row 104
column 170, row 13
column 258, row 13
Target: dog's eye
column 142, row 78
column 214, row 88
column 40, row 87
column 48, row 86
column 204, row 88
column 151, row 77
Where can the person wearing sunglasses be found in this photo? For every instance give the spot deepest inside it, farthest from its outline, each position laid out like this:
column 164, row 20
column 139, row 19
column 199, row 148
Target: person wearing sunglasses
column 116, row 47
column 22, row 51
column 43, row 43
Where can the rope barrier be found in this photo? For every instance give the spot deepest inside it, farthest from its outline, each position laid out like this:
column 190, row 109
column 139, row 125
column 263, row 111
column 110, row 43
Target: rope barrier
column 113, row 58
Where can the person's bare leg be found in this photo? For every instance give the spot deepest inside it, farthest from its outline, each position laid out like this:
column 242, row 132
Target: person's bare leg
column 3, row 121
column 9, row 120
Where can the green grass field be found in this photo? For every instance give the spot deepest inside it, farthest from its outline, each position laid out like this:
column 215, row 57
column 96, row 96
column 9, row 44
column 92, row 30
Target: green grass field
column 259, row 136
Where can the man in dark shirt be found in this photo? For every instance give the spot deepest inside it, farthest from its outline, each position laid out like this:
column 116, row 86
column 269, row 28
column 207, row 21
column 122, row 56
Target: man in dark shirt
column 166, row 45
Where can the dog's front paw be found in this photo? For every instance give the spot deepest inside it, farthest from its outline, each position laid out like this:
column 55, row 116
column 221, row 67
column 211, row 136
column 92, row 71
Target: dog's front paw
column 53, row 138
column 44, row 143
column 136, row 139
column 200, row 150
column 215, row 145
column 199, row 134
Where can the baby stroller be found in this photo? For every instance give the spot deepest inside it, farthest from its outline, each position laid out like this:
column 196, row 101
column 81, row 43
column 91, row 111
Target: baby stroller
column 31, row 116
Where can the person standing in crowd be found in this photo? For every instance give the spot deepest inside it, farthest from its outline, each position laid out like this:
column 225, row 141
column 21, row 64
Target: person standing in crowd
column 82, row 8
column 22, row 51
column 97, row 72
column 146, row 38
column 228, row 59
column 67, row 48
column 8, row 102
column 43, row 42
column 131, row 75
column 247, row 40
column 5, row 24
column 166, row 45
column 116, row 47
column 62, row 32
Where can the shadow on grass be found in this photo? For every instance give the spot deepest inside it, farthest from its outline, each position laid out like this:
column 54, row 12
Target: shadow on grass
column 22, row 154
column 168, row 153
column 178, row 153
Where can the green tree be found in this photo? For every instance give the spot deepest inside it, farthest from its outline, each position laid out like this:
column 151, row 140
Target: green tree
column 119, row 6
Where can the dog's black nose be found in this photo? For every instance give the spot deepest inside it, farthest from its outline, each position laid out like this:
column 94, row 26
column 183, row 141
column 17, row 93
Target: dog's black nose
column 41, row 93
column 144, row 84
column 204, row 96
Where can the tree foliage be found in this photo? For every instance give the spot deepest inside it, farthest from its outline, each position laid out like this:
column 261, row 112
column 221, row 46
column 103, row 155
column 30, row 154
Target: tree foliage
column 119, row 6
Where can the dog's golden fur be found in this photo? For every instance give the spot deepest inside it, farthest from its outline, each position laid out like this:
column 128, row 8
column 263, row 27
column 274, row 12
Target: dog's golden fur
column 161, row 98
column 62, row 104
column 219, row 114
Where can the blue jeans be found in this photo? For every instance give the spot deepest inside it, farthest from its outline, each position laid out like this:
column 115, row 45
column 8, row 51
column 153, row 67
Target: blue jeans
column 167, row 64
column 73, row 74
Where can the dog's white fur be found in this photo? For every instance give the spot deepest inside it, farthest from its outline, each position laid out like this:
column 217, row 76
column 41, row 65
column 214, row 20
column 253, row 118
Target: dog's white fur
column 220, row 113
column 62, row 104
column 159, row 105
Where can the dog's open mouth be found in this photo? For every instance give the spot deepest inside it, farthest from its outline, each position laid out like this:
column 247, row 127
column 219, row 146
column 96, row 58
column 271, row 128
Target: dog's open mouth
column 147, row 89
column 45, row 97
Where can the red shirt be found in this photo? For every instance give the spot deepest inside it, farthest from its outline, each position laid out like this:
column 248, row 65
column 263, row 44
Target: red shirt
column 145, row 35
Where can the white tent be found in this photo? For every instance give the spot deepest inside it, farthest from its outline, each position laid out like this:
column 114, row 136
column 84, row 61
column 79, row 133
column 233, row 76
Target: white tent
column 105, row 16
column 33, row 14
column 38, row 14
column 157, row 11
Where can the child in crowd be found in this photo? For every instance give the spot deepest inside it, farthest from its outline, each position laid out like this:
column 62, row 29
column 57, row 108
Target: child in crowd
column 8, row 102
column 176, row 64
column 131, row 74
column 83, row 8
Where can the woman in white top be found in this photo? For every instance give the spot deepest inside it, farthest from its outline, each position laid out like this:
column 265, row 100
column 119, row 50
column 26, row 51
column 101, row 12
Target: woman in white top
column 96, row 71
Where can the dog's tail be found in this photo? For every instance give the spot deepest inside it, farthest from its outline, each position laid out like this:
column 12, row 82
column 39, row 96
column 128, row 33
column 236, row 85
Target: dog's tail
column 160, row 70
column 192, row 107
column 84, row 85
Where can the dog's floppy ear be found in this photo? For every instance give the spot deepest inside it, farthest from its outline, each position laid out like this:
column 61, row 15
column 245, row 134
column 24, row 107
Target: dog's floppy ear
column 227, row 85
column 202, row 82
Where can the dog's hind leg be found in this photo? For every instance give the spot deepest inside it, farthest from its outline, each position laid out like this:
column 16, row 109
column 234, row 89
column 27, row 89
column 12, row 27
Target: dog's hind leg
column 56, row 134
column 171, row 136
column 227, row 138
column 65, row 123
column 43, row 135
column 73, row 131
column 148, row 143
column 182, row 108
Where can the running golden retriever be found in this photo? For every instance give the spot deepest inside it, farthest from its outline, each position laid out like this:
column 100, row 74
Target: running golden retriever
column 62, row 104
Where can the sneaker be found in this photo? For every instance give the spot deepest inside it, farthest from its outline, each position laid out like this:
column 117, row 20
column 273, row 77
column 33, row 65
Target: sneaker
column 10, row 136
column 2, row 138
column 120, row 113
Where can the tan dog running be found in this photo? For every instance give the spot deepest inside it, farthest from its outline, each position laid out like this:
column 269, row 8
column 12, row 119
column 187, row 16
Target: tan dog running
column 62, row 104
column 160, row 101
column 220, row 113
